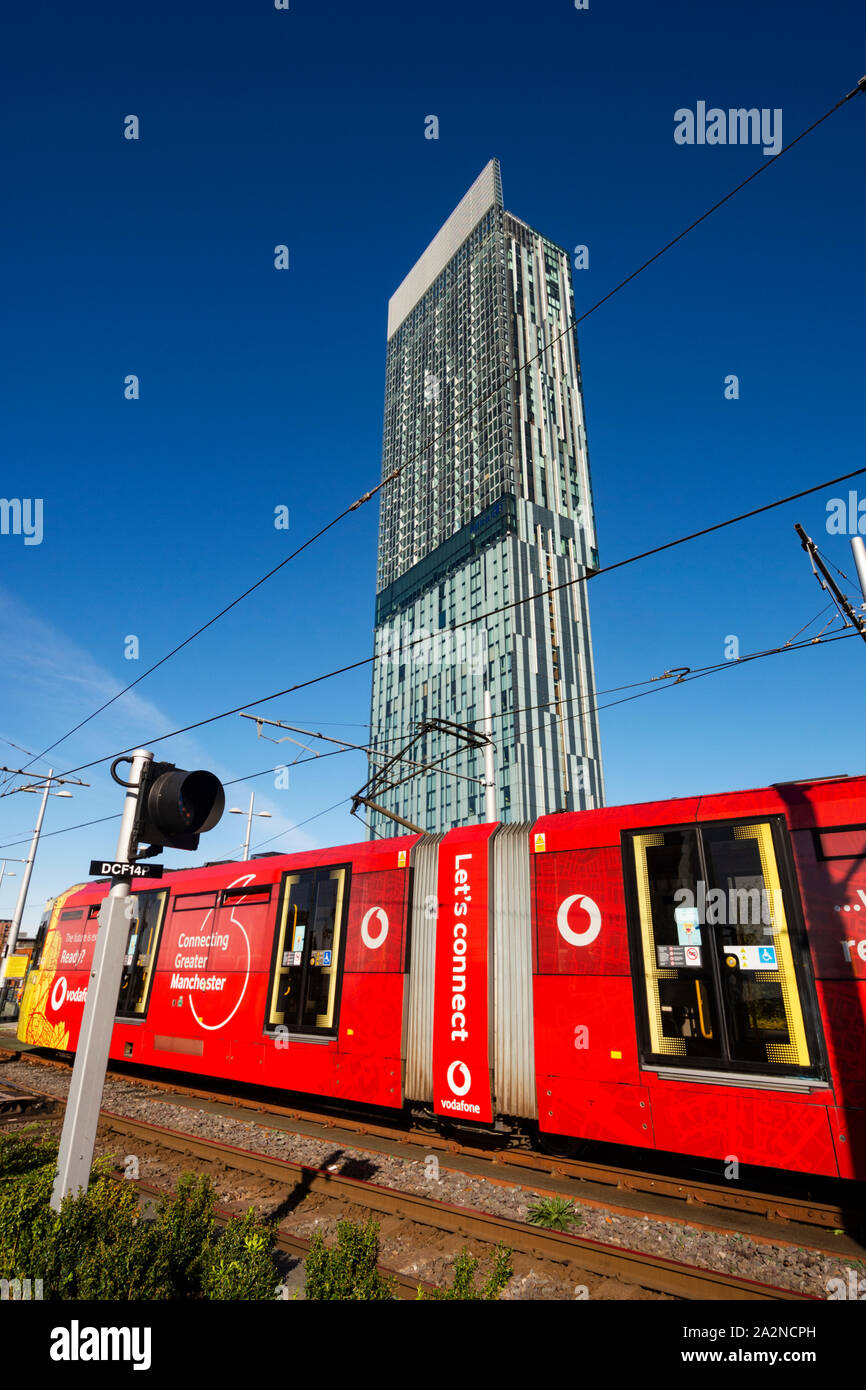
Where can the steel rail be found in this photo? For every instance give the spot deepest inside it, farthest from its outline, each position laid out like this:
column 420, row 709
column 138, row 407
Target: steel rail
column 827, row 1216
column 609, row 1261
column 407, row 1286
column 15, row 1100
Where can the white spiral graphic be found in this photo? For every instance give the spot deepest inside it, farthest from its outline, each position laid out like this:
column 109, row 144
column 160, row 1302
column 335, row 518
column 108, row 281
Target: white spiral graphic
column 215, row 1027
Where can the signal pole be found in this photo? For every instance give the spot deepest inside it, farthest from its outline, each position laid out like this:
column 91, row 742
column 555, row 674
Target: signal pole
column 165, row 806
column 78, row 1138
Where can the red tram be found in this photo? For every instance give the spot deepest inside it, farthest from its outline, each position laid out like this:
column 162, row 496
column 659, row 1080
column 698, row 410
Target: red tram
column 686, row 975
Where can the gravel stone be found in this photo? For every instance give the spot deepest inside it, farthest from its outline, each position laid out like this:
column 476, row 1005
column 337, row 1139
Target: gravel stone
column 803, row 1269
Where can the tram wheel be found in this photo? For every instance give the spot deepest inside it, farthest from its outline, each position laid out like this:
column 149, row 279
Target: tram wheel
column 562, row 1146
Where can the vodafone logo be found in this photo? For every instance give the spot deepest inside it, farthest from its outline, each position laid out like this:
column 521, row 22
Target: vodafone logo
column 590, row 932
column 58, row 994
column 368, row 939
column 458, row 1089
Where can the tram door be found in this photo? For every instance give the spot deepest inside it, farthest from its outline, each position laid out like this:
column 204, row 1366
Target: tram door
column 721, row 983
column 304, row 993
column 146, row 911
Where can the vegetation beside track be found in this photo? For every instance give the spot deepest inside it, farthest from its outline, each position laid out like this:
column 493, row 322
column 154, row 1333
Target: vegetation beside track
column 101, row 1246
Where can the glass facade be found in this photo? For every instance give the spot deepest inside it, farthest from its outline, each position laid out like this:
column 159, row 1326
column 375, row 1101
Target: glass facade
column 493, row 505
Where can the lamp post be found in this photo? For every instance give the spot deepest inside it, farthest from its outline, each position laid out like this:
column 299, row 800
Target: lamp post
column 236, row 811
column 12, row 938
column 3, row 863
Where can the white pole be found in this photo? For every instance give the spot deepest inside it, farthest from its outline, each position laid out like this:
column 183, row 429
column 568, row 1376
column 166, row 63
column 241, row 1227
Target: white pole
column 489, row 775
column 249, row 827
column 12, row 939
column 78, row 1138
column 859, row 549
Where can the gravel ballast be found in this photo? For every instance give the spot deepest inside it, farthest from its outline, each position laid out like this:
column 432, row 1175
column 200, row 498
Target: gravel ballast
column 798, row 1268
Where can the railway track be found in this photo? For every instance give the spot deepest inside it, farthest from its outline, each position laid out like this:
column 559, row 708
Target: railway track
column 600, row 1183
column 579, row 1253
column 288, row 1243
column 634, row 1267
column 16, row 1100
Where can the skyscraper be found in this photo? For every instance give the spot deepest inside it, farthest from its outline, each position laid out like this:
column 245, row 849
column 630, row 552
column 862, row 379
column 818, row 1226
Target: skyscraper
column 484, row 416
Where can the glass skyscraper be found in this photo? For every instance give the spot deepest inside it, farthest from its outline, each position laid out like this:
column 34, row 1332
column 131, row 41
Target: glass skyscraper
column 493, row 505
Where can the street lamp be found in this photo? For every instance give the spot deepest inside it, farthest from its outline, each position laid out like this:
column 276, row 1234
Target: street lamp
column 12, row 939
column 3, row 863
column 236, row 811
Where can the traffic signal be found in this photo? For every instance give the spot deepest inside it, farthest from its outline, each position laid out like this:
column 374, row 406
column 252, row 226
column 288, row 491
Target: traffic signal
column 174, row 806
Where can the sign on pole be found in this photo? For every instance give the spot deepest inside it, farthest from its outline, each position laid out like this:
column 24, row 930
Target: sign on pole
column 113, row 868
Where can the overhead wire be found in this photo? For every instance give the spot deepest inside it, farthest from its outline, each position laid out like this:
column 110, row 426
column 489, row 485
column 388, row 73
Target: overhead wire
column 684, row 679
column 692, row 675
column 853, row 587
column 471, row 410
column 204, row 626
column 481, row 617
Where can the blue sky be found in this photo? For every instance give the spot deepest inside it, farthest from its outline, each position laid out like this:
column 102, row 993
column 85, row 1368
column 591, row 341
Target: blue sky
column 261, row 388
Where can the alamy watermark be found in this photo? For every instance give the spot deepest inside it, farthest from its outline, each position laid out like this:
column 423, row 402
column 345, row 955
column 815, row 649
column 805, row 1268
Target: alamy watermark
column 852, row 1286
column 400, row 644
column 846, row 517
column 713, row 126
column 21, row 1290
column 717, row 907
column 22, row 516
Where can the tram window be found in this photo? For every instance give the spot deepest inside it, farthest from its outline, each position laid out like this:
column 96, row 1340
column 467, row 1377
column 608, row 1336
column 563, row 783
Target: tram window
column 72, row 914
column 845, row 842
column 194, row 902
column 719, row 977
column 742, row 870
column 142, row 946
column 310, row 929
column 681, row 997
column 255, row 893
column 36, row 954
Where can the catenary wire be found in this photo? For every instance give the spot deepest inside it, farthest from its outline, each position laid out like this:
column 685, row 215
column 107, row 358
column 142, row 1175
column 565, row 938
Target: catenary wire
column 203, row 628
column 709, row 670
column 481, row 617
column 696, row 675
column 506, row 381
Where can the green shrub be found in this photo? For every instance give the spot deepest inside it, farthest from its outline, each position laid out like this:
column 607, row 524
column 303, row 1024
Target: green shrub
column 349, row 1269
column 100, row 1247
column 95, row 1248
column 24, row 1151
column 465, row 1266
column 26, row 1224
column 554, row 1213
column 239, row 1263
column 185, row 1230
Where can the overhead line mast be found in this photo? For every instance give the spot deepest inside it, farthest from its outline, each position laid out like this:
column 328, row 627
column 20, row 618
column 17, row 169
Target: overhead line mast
column 828, row 583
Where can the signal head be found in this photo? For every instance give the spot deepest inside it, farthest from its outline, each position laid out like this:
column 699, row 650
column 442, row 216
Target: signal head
column 175, row 806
